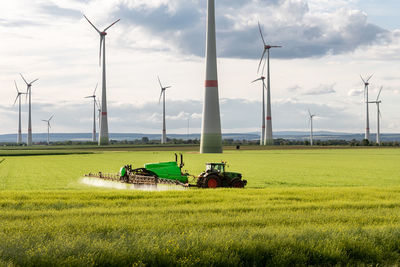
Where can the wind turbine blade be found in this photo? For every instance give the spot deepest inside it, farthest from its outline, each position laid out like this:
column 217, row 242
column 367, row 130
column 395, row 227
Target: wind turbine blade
column 94, row 93
column 262, row 57
column 16, row 99
column 111, row 25
column 16, row 87
column 34, row 81
column 276, row 46
column 160, row 82
column 24, row 79
column 309, row 112
column 92, row 24
column 89, row 96
column 44, row 120
column 380, row 91
column 259, row 79
column 160, row 97
column 265, row 87
column 101, row 42
column 262, row 37
column 167, row 87
column 362, row 79
column 265, row 62
column 98, row 104
column 370, row 77
column 51, row 118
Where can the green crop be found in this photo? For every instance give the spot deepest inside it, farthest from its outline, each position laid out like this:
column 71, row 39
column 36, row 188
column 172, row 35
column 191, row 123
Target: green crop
column 301, row 207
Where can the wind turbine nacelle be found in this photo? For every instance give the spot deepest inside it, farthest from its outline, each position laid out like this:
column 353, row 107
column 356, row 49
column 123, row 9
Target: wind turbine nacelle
column 103, row 33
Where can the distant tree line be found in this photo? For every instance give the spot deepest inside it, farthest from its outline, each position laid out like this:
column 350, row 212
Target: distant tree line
column 226, row 142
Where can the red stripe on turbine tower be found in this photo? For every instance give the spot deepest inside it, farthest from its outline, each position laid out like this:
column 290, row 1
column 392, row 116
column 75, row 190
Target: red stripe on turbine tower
column 211, row 83
column 269, row 118
column 104, row 113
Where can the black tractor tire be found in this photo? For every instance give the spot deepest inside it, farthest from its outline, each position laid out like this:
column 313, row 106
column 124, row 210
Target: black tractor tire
column 237, row 183
column 211, row 181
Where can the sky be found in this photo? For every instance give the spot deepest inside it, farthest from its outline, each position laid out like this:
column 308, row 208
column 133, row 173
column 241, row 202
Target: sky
column 327, row 45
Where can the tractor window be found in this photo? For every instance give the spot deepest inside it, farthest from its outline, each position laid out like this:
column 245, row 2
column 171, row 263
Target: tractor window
column 209, row 168
column 219, row 168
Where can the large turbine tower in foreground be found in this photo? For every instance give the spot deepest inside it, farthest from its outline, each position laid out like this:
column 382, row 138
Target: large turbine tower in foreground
column 103, row 135
column 211, row 137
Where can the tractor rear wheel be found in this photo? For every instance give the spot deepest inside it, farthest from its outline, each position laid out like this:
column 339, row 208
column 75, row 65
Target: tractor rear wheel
column 237, row 183
column 211, row 181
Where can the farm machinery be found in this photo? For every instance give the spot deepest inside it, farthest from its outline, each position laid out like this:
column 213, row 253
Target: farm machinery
column 170, row 173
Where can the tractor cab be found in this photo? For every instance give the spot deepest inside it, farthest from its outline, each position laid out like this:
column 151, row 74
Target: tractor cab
column 216, row 176
column 216, row 167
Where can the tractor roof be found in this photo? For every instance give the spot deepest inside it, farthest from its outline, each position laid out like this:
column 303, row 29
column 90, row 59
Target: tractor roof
column 219, row 163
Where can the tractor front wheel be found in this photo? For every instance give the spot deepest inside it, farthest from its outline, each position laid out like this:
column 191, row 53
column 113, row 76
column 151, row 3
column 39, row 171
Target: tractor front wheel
column 211, row 181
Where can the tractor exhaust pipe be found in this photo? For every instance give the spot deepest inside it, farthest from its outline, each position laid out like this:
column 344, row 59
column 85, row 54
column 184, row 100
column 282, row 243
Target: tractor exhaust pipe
column 176, row 158
column 182, row 164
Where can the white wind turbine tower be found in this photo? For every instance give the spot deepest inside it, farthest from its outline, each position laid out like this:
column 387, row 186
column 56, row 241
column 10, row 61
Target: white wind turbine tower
column 48, row 129
column 379, row 116
column 211, row 134
column 103, row 135
column 164, row 131
column 311, row 127
column 269, row 140
column 94, row 113
column 29, row 92
column 98, row 105
column 19, row 137
column 263, row 110
column 366, row 85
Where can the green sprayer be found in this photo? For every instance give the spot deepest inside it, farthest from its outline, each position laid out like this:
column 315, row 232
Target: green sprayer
column 170, row 173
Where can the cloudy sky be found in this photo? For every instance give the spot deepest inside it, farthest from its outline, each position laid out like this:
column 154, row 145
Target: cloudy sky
column 326, row 46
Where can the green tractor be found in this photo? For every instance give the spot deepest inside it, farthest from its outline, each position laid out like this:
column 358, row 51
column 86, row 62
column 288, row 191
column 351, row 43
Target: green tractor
column 171, row 173
column 216, row 176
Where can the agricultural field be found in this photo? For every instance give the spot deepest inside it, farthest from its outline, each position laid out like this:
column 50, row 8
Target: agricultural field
column 301, row 206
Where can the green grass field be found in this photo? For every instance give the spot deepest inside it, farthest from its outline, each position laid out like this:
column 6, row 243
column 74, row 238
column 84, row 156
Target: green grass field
column 305, row 207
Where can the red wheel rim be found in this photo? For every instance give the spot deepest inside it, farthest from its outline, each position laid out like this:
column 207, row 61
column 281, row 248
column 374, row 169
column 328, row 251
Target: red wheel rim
column 212, row 183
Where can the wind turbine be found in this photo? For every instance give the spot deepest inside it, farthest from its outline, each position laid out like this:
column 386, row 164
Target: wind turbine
column 379, row 116
column 94, row 113
column 29, row 92
column 263, row 110
column 311, row 127
column 103, row 135
column 48, row 129
column 19, row 137
column 366, row 85
column 164, row 131
column 269, row 140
